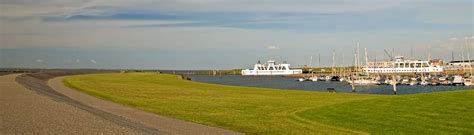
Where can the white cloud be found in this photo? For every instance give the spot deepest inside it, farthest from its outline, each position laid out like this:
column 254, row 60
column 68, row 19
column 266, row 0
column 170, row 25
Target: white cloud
column 39, row 60
column 454, row 39
column 273, row 47
column 109, row 33
column 88, row 7
column 93, row 61
column 39, row 8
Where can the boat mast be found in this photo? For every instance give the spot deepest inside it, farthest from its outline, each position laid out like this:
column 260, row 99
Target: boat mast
column 354, row 64
column 319, row 64
column 376, row 64
column 468, row 56
column 452, row 55
column 333, row 62
column 343, row 69
column 353, row 74
column 366, row 59
column 310, row 65
column 358, row 59
column 462, row 57
column 429, row 56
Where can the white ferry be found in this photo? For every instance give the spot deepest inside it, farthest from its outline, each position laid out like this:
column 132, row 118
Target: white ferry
column 271, row 69
column 400, row 65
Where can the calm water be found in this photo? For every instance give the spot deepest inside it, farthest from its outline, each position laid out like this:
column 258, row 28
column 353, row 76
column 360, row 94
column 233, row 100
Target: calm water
column 280, row 82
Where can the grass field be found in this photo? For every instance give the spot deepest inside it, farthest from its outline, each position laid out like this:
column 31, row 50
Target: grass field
column 269, row 111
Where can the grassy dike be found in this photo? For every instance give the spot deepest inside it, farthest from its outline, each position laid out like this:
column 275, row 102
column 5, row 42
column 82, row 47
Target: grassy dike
column 269, row 111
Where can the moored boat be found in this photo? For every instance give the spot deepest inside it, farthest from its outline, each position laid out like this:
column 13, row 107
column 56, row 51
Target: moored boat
column 468, row 81
column 314, row 78
column 271, row 68
column 302, row 79
column 413, row 81
column 364, row 82
column 458, row 80
column 401, row 65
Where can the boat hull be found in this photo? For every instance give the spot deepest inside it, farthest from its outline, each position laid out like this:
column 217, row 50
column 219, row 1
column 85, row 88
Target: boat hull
column 365, row 82
column 403, row 70
column 271, row 72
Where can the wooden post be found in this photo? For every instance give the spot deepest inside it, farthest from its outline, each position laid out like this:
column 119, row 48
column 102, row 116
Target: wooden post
column 394, row 83
column 352, row 84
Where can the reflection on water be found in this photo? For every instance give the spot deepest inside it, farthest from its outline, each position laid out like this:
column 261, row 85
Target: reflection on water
column 281, row 82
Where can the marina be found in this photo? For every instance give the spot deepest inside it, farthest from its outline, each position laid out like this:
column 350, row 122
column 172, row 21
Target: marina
column 287, row 82
column 397, row 75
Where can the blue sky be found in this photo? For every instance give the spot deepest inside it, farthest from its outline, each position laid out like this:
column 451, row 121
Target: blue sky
column 225, row 34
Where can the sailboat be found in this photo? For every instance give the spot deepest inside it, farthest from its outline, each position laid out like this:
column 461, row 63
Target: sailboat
column 362, row 80
column 468, row 81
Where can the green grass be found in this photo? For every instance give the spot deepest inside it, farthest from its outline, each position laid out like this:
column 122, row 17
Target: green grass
column 269, row 111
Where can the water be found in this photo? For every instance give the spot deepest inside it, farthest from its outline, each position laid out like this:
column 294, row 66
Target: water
column 282, row 82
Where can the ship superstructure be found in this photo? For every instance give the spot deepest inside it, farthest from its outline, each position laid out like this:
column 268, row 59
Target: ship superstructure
column 271, row 68
column 401, row 65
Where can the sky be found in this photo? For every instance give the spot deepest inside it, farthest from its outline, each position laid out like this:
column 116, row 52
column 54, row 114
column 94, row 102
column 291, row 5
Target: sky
column 227, row 34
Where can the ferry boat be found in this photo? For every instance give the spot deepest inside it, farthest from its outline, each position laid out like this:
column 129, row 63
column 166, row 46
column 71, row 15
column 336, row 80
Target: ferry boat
column 271, row 68
column 400, row 65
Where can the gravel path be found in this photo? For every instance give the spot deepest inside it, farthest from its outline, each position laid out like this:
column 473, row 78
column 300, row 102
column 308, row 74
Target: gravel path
column 165, row 124
column 26, row 112
column 39, row 103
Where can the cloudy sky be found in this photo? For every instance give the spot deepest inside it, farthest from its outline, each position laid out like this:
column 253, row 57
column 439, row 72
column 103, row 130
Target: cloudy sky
column 226, row 34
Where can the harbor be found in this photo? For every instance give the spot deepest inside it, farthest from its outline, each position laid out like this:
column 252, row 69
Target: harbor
column 394, row 75
column 399, row 76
